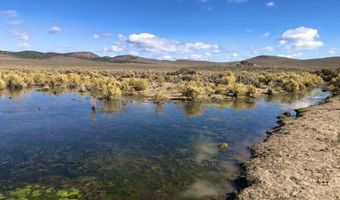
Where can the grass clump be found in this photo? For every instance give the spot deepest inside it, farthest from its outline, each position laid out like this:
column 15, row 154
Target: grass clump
column 138, row 84
column 3, row 84
column 290, row 81
column 188, row 83
column 228, row 78
column 192, row 90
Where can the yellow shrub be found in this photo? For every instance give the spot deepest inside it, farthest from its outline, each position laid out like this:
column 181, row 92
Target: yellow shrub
column 15, row 82
column 192, row 90
column 3, row 85
column 251, row 91
column 139, row 84
column 239, row 89
column 228, row 78
column 112, row 92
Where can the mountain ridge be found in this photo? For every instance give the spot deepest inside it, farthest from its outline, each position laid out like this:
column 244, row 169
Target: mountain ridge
column 263, row 60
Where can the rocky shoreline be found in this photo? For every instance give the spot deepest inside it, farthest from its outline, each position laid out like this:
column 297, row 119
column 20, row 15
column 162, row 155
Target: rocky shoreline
column 299, row 160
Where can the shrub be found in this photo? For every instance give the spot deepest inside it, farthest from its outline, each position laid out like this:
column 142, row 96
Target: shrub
column 251, row 91
column 159, row 98
column 192, row 90
column 139, row 84
column 112, row 92
column 3, row 85
column 228, row 78
column 239, row 89
column 15, row 81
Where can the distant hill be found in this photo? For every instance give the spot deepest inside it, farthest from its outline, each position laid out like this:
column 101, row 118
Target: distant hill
column 128, row 59
column 84, row 55
column 275, row 61
column 79, row 58
column 41, row 55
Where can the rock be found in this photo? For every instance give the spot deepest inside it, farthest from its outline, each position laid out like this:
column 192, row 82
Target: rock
column 287, row 114
column 223, row 146
column 269, row 92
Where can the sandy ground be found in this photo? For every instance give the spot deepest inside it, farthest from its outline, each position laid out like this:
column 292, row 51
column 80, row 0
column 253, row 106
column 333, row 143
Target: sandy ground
column 301, row 160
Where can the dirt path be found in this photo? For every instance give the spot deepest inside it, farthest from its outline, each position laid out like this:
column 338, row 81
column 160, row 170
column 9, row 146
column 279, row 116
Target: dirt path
column 299, row 161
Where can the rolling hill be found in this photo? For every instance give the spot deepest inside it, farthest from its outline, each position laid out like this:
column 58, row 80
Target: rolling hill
column 89, row 59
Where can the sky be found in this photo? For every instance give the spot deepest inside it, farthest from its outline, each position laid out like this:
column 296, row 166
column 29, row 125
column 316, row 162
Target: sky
column 214, row 30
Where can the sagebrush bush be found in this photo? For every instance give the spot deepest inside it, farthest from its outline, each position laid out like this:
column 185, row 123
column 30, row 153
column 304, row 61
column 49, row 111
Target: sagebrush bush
column 3, row 84
column 228, row 78
column 191, row 84
column 139, row 84
column 192, row 90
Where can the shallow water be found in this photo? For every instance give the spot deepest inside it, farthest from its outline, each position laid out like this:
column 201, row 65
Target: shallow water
column 128, row 149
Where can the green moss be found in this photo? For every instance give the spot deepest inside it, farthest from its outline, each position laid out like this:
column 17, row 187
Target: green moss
column 36, row 192
column 68, row 194
column 21, row 193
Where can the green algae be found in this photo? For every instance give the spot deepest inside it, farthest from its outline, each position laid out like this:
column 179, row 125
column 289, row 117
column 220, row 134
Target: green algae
column 37, row 192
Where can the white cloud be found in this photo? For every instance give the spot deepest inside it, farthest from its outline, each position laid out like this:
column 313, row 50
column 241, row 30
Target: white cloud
column 167, row 57
column 235, row 55
column 9, row 13
column 14, row 21
column 20, row 35
column 152, row 43
column 54, row 29
column 271, row 4
column 292, row 55
column 97, row 36
column 24, row 46
column 265, row 35
column 114, row 48
column 12, row 17
column 268, row 48
column 201, row 45
column 134, row 53
column 236, row 1
column 301, row 38
column 333, row 51
column 197, row 57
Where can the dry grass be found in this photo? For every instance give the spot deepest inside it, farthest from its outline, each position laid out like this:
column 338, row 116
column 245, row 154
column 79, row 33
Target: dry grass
column 192, row 85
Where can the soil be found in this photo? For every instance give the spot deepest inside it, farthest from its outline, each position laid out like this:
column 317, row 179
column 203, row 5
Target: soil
column 300, row 160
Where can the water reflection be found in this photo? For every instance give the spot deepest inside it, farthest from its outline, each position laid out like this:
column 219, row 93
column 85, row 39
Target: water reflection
column 133, row 149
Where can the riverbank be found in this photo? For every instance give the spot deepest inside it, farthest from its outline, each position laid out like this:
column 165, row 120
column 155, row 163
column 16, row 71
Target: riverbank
column 300, row 160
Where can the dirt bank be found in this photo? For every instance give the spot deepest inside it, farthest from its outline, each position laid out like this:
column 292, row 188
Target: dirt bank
column 301, row 160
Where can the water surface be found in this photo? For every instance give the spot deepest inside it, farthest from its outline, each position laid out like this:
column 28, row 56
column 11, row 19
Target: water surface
column 56, row 145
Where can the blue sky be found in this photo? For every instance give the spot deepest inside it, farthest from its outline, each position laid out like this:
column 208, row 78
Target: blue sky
column 217, row 30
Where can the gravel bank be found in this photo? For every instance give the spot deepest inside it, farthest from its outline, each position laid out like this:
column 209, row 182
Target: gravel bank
column 301, row 160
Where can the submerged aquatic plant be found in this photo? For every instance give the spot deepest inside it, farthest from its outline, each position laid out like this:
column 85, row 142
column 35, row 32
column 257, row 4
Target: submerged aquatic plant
column 37, row 192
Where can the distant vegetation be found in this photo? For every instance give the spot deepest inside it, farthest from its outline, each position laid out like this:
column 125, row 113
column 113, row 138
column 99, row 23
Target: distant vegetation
column 185, row 84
